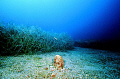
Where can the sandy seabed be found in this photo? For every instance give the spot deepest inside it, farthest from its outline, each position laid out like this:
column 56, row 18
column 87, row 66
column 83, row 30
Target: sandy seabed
column 80, row 63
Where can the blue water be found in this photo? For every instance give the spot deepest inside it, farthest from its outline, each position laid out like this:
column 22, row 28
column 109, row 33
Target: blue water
column 82, row 19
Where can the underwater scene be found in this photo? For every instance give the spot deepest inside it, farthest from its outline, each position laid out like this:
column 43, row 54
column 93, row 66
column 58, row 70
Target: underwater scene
column 59, row 39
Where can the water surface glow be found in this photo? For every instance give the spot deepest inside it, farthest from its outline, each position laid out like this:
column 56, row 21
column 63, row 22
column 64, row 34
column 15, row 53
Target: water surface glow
column 82, row 19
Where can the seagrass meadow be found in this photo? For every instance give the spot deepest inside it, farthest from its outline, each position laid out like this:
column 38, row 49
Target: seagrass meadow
column 20, row 39
column 27, row 52
column 59, row 39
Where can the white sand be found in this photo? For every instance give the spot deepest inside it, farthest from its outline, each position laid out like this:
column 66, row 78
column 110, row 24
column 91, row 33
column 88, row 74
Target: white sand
column 80, row 63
